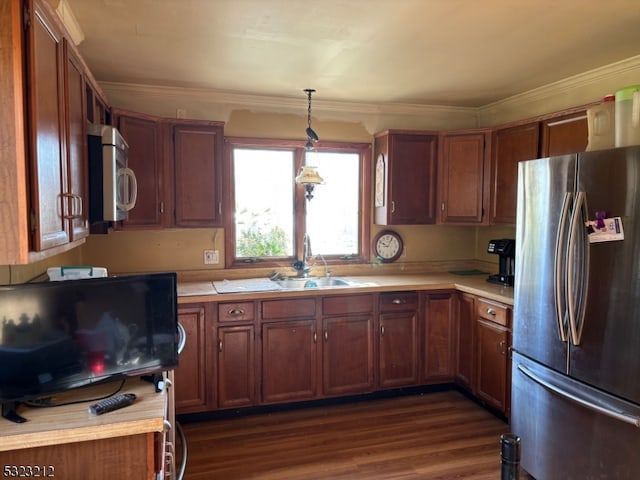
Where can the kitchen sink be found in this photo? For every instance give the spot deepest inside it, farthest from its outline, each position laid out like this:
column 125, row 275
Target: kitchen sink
column 300, row 283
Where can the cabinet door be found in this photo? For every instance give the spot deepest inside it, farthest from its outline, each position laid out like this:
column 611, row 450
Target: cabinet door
column 289, row 363
column 465, row 336
column 565, row 134
column 190, row 385
column 347, row 355
column 439, row 358
column 405, row 179
column 198, row 180
column 398, row 347
column 236, row 366
column 47, row 118
column 462, row 177
column 76, row 196
column 492, row 344
column 508, row 147
column 142, row 133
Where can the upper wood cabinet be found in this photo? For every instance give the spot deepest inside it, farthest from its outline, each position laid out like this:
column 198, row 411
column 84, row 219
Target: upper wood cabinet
column 405, row 177
column 565, row 134
column 463, row 176
column 508, row 147
column 178, row 168
column 197, row 150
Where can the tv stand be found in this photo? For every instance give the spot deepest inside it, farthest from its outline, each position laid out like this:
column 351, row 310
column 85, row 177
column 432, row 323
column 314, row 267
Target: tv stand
column 9, row 412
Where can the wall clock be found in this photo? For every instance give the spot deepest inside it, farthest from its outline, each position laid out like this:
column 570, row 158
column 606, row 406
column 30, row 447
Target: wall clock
column 388, row 246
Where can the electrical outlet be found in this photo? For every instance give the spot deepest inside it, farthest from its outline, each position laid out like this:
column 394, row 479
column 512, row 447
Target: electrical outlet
column 181, row 112
column 211, row 257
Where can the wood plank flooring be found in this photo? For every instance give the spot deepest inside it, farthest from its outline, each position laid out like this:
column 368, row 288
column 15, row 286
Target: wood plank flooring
column 441, row 435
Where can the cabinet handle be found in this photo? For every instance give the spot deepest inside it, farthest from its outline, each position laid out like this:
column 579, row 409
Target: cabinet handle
column 220, row 345
column 491, row 311
column 235, row 312
column 326, row 336
column 315, row 337
column 502, row 347
column 398, row 301
column 442, row 206
column 382, row 330
column 393, row 206
column 161, row 207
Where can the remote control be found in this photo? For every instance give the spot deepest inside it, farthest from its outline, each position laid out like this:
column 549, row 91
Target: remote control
column 113, row 403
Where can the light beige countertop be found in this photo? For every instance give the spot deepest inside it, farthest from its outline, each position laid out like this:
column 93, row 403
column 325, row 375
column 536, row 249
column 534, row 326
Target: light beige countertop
column 74, row 423
column 204, row 291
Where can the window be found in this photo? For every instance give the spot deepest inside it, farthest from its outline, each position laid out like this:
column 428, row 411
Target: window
column 270, row 214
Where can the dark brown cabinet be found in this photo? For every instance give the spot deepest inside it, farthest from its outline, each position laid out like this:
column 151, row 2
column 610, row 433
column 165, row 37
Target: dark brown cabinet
column 348, row 344
column 197, row 176
column 492, row 359
column 439, row 334
column 46, row 93
column 463, row 176
column 465, row 341
column 289, row 361
column 508, row 147
column 565, row 134
column 190, row 376
column 399, row 340
column 405, row 177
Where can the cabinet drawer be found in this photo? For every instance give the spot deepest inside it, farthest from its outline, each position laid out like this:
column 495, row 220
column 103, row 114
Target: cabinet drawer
column 398, row 301
column 345, row 305
column 492, row 311
column 290, row 308
column 236, row 312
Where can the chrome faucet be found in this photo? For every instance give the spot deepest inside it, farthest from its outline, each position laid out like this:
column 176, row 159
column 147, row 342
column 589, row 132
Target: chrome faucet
column 302, row 266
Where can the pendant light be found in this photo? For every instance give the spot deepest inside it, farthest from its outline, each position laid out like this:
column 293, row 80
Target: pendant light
column 312, row 136
column 308, row 176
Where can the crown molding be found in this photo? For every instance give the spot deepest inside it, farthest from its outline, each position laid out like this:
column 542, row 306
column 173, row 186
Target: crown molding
column 604, row 74
column 263, row 102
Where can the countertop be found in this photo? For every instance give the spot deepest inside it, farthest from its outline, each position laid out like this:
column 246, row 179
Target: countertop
column 204, row 291
column 74, row 423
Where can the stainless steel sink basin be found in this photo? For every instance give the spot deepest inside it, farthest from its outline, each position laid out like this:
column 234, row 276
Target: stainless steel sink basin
column 300, row 283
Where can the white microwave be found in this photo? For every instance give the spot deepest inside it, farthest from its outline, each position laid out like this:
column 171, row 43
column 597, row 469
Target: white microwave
column 112, row 184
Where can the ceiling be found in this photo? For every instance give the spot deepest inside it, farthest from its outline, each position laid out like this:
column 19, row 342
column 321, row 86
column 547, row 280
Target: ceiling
column 433, row 52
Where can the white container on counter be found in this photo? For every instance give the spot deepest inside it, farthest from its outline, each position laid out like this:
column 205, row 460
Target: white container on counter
column 601, row 119
column 628, row 116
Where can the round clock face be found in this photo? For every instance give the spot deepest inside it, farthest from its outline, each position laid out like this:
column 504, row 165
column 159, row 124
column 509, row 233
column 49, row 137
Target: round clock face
column 388, row 246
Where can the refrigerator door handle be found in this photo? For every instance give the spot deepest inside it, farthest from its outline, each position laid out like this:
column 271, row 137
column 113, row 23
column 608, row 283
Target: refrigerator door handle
column 577, row 269
column 560, row 273
column 582, row 400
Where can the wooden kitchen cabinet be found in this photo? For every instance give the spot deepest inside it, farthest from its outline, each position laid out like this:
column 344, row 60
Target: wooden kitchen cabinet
column 289, row 361
column 565, row 134
column 197, row 153
column 492, row 359
column 190, row 377
column 236, row 366
column 508, row 147
column 348, row 344
column 465, row 341
column 143, row 135
column 463, row 176
column 405, row 177
column 439, row 336
column 399, row 340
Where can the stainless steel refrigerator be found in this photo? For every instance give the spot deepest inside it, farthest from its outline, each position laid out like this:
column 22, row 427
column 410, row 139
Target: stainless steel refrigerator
column 576, row 333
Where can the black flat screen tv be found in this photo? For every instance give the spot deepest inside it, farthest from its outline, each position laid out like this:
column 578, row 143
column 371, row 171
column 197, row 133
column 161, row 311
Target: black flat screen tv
column 56, row 336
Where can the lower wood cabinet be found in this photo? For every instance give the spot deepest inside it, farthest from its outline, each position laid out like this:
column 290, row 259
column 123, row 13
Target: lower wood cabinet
column 289, row 356
column 398, row 340
column 464, row 341
column 236, row 366
column 348, row 360
column 439, row 331
column 191, row 375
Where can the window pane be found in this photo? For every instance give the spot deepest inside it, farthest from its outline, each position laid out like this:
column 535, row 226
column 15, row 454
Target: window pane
column 332, row 214
column 264, row 183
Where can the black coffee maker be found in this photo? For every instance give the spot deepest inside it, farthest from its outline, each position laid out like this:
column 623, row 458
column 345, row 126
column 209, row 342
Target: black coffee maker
column 506, row 249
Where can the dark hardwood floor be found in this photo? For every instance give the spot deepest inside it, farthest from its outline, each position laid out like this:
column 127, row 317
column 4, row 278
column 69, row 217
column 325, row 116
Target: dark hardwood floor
column 441, row 435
